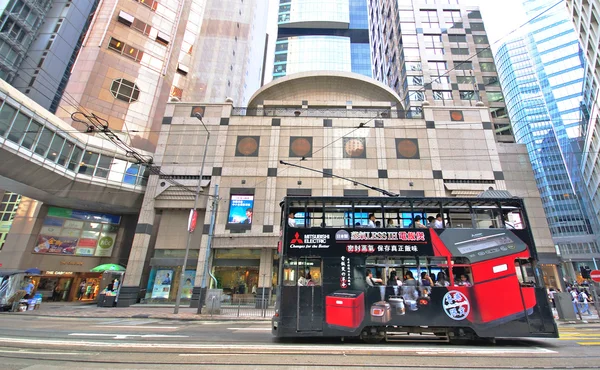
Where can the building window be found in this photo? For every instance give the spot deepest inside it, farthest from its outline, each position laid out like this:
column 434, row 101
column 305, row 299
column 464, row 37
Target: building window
column 416, row 96
column 459, row 51
column 415, row 80
column 125, row 90
column 480, row 39
column 442, row 95
column 465, row 79
column 413, row 66
column 457, row 38
column 487, row 67
column 440, row 79
column 491, row 81
column 494, row 97
column 435, row 51
column 431, row 39
column 463, row 65
column 452, row 19
column 474, row 14
column 126, row 50
column 477, row 27
column 485, row 53
column 429, row 19
column 440, row 67
column 467, row 95
column 411, row 52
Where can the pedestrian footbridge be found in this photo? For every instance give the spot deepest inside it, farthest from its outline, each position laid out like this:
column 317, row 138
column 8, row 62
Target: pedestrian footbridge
column 46, row 159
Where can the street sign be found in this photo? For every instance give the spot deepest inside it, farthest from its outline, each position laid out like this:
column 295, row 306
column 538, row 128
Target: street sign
column 595, row 275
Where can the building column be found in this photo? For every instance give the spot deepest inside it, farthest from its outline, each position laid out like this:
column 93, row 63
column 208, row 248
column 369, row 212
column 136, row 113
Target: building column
column 139, row 249
column 21, row 234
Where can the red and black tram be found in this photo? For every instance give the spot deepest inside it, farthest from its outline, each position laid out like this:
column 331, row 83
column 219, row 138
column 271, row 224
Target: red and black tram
column 383, row 268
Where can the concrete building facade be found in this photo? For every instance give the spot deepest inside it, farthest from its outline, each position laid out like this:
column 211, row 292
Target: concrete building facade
column 139, row 54
column 436, row 51
column 337, row 123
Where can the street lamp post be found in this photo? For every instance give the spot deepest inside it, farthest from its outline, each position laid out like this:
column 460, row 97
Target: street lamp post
column 191, row 231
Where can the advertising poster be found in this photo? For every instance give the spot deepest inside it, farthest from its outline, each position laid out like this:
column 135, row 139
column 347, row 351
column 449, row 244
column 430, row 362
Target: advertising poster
column 73, row 232
column 188, row 284
column 162, row 284
column 105, row 245
column 55, row 245
column 241, row 209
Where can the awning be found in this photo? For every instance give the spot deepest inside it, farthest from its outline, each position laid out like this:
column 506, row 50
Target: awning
column 465, row 193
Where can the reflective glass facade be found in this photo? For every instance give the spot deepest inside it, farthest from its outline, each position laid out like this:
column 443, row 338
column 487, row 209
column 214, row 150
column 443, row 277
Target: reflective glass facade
column 322, row 35
column 541, row 73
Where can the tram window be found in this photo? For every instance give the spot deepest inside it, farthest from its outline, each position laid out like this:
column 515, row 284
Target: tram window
column 525, row 272
column 487, row 218
column 300, row 218
column 290, row 273
column 461, row 272
column 316, row 219
column 514, row 220
column 458, row 218
column 335, row 217
column 302, row 272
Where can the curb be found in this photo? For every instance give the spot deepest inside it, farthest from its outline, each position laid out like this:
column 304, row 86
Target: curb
column 147, row 316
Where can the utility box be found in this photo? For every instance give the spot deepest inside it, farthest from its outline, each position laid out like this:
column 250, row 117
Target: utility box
column 213, row 301
column 564, row 306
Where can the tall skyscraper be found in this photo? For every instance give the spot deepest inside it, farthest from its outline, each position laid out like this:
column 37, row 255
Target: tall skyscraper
column 541, row 72
column 138, row 55
column 439, row 53
column 322, row 35
column 586, row 17
column 19, row 24
column 46, row 67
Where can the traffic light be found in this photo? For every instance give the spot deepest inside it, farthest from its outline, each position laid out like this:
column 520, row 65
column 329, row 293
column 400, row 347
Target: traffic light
column 585, row 271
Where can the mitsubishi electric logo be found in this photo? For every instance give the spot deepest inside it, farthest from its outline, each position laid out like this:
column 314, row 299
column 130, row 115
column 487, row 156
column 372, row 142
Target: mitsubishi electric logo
column 297, row 239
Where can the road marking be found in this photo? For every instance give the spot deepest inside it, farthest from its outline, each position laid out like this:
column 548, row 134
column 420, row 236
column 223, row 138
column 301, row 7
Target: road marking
column 125, row 336
column 589, row 343
column 281, row 348
column 46, row 353
column 211, row 354
column 134, row 327
column 249, row 329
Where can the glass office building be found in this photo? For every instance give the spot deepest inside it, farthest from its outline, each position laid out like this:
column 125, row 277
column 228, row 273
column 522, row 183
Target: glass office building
column 541, row 73
column 322, row 35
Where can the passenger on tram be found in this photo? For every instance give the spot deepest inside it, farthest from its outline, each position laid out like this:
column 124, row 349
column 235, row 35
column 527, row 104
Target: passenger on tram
column 393, row 280
column 409, row 290
column 417, row 223
column 442, row 280
column 291, row 219
column 463, row 281
column 438, row 223
column 430, row 221
column 390, row 223
column 372, row 220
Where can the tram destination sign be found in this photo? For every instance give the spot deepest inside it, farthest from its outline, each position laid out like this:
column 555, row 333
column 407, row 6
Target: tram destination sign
column 337, row 242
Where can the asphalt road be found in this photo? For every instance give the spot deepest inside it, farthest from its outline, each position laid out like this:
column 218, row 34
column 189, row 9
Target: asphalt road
column 29, row 342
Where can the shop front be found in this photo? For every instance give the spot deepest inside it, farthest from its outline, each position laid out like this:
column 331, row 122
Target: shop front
column 68, row 286
column 165, row 276
column 237, row 272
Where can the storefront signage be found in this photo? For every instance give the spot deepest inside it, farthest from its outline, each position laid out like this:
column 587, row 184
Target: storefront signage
column 77, row 233
column 58, row 273
column 71, row 263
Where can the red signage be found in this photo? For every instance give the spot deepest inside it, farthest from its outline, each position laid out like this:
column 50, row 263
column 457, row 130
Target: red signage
column 192, row 220
column 595, row 275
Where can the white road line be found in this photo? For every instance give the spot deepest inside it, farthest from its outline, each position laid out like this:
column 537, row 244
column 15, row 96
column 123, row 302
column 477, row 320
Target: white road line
column 134, row 327
column 46, row 353
column 125, row 336
column 277, row 347
column 249, row 329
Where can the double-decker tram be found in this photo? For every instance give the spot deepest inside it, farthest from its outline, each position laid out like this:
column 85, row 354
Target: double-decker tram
column 395, row 268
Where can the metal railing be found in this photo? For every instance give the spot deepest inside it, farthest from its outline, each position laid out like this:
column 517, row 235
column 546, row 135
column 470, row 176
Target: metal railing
column 322, row 112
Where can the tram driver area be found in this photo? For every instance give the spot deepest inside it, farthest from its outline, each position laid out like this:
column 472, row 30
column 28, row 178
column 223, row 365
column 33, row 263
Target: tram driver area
column 342, row 274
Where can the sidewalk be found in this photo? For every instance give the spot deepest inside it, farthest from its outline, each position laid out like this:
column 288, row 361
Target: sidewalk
column 587, row 319
column 78, row 310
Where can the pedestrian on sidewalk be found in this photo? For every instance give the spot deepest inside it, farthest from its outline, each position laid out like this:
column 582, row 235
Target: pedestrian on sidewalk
column 583, row 302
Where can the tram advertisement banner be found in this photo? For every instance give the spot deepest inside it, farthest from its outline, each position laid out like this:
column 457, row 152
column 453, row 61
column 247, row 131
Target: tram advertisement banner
column 337, row 242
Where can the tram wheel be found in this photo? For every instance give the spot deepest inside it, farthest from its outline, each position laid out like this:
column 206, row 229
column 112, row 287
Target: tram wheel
column 372, row 338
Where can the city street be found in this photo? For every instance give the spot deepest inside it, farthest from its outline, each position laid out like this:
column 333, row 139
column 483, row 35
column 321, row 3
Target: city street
column 34, row 342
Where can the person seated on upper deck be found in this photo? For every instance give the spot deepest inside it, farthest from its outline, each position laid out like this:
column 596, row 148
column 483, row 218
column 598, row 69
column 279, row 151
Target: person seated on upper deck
column 372, row 220
column 438, row 223
column 390, row 223
column 464, row 281
column 291, row 219
column 417, row 223
column 377, row 223
column 430, row 221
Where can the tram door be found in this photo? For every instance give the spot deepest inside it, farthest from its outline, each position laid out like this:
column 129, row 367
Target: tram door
column 310, row 295
column 528, row 282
